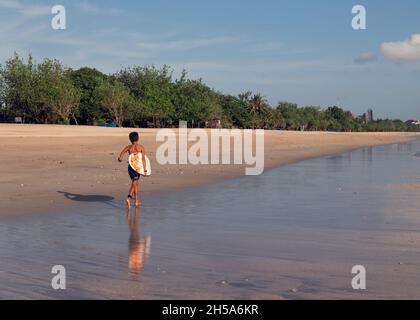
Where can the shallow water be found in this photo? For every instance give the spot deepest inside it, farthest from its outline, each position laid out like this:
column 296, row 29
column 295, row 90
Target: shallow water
column 294, row 232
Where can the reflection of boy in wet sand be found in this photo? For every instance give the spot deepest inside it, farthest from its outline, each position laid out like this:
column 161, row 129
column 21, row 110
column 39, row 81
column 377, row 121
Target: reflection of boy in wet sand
column 134, row 148
column 138, row 250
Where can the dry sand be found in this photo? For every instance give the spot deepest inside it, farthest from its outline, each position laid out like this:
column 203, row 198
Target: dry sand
column 39, row 162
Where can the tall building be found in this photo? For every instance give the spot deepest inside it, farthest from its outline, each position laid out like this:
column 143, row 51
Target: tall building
column 369, row 115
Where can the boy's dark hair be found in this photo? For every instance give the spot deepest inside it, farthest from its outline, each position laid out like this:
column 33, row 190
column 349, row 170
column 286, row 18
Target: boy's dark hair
column 134, row 137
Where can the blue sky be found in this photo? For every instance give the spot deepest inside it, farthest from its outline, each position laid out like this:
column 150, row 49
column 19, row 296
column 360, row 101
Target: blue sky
column 300, row 51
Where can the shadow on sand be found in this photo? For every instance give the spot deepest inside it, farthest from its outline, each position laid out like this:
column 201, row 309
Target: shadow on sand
column 86, row 198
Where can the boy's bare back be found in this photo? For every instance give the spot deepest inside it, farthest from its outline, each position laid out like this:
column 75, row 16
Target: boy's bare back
column 132, row 148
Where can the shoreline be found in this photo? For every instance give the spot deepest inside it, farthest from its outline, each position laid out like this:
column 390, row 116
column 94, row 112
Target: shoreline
column 81, row 162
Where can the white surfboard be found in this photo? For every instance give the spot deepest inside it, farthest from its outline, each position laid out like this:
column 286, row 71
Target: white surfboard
column 136, row 163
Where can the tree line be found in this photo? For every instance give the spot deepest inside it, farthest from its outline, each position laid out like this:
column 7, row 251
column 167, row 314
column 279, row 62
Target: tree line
column 150, row 97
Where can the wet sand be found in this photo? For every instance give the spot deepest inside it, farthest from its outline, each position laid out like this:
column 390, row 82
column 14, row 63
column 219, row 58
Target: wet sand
column 43, row 167
column 294, row 232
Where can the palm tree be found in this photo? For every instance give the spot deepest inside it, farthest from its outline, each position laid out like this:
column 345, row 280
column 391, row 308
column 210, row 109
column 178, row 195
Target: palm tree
column 258, row 108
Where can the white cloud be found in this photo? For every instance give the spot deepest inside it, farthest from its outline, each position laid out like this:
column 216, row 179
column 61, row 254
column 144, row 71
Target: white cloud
column 95, row 9
column 10, row 4
column 184, row 44
column 25, row 10
column 408, row 50
column 365, row 58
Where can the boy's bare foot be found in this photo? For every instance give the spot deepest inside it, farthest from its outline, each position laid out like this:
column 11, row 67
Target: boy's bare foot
column 138, row 204
column 128, row 201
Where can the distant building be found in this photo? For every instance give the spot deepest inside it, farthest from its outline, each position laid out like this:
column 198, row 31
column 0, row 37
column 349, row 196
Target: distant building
column 369, row 115
column 415, row 122
column 366, row 117
column 363, row 117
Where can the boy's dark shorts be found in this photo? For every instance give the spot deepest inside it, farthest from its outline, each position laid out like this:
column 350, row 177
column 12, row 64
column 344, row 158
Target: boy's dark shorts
column 134, row 176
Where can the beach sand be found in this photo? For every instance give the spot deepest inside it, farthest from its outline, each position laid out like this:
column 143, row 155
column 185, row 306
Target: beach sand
column 406, row 186
column 42, row 163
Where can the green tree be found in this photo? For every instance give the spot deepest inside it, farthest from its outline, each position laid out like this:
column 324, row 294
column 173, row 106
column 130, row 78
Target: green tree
column 114, row 98
column 148, row 96
column 57, row 97
column 274, row 120
column 259, row 109
column 236, row 111
column 194, row 102
column 17, row 88
column 87, row 80
column 153, row 88
column 340, row 120
column 292, row 115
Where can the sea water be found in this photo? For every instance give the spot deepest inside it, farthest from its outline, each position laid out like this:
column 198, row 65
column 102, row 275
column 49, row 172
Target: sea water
column 293, row 232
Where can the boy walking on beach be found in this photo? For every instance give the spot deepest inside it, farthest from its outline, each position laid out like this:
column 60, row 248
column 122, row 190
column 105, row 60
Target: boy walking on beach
column 134, row 148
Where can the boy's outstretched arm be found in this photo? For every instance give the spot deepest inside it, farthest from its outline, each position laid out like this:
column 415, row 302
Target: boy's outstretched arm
column 125, row 150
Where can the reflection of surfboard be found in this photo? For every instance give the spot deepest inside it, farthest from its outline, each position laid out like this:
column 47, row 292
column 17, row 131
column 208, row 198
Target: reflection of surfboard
column 136, row 163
